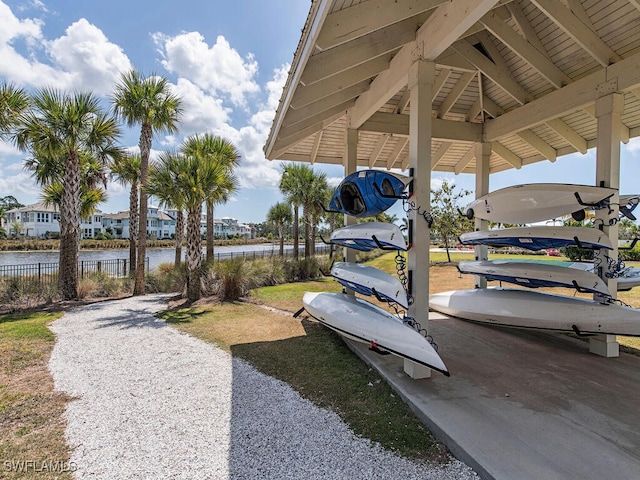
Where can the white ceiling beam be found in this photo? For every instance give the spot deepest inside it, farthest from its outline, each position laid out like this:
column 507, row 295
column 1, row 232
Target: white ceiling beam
column 465, row 160
column 635, row 3
column 546, row 150
column 578, row 10
column 474, row 111
column 624, row 130
column 525, row 50
column 364, row 18
column 365, row 71
column 455, row 93
column 397, row 150
column 506, row 154
column 523, row 23
column 285, row 142
column 578, row 31
column 570, row 135
column 491, row 107
column 453, row 61
column 397, row 124
column 438, row 32
column 360, row 50
column 316, row 147
column 442, row 150
column 440, row 80
column 300, row 157
column 489, row 45
column 404, row 101
column 500, row 76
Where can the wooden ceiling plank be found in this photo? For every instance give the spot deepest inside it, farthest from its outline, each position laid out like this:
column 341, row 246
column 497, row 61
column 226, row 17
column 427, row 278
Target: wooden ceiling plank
column 578, row 31
column 570, row 135
column 441, row 29
column 578, row 10
column 474, row 111
column 491, row 107
column 635, row 3
column 442, row 150
column 500, row 76
column 464, row 161
column 397, row 150
column 288, row 137
column 455, row 93
column 307, row 94
column 440, row 80
column 506, row 154
column 546, row 150
column 382, row 141
column 525, row 50
column 364, row 18
column 488, row 44
column 404, row 101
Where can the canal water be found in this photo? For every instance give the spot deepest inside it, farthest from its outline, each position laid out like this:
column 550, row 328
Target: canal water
column 156, row 256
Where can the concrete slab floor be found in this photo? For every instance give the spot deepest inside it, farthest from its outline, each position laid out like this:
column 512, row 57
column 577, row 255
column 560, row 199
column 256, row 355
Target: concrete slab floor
column 524, row 404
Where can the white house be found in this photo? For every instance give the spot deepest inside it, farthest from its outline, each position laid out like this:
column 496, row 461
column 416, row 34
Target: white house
column 38, row 220
column 159, row 224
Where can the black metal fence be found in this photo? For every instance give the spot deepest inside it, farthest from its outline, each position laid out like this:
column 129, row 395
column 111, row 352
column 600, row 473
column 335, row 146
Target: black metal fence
column 45, row 275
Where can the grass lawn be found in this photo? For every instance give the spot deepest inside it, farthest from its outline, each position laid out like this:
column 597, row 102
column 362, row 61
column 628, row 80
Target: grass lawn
column 30, row 411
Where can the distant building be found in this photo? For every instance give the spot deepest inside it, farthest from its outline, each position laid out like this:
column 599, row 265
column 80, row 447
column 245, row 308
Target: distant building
column 39, row 220
column 160, row 224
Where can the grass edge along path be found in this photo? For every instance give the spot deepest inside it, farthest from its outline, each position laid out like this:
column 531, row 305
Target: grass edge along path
column 32, row 444
column 316, row 363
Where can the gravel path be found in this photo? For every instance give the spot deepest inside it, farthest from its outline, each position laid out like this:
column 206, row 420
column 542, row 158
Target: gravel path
column 154, row 403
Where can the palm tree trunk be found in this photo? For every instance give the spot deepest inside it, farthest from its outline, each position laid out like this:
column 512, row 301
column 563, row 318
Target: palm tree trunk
column 194, row 253
column 179, row 237
column 296, row 232
column 133, row 229
column 209, row 231
column 70, row 230
column 307, row 232
column 281, row 234
column 145, row 151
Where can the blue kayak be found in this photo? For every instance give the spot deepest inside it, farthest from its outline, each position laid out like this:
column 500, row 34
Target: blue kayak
column 368, row 192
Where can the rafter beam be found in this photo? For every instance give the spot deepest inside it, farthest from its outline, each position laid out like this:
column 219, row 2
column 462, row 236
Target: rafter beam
column 365, row 71
column 397, row 150
column 455, row 93
column 438, row 32
column 624, row 130
column 382, row 141
column 474, row 111
column 546, row 150
column 326, row 103
column 506, row 154
column 364, row 18
column 360, row 50
column 500, row 76
column 491, row 107
column 525, row 50
column 635, row 3
column 441, row 152
column 316, row 147
column 465, row 160
column 578, row 31
column 404, row 101
column 527, row 30
column 568, row 99
column 284, row 143
column 570, row 135
column 440, row 80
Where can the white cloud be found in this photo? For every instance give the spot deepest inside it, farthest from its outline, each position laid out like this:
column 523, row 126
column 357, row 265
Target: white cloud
column 633, row 146
column 20, row 185
column 7, row 149
column 334, row 181
column 93, row 62
column 219, row 69
column 202, row 112
column 12, row 27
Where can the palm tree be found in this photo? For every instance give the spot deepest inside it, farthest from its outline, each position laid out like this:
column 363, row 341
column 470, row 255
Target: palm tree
column 292, row 185
column 146, row 101
column 280, row 216
column 216, row 149
column 315, row 195
column 13, row 103
column 126, row 171
column 164, row 186
column 62, row 128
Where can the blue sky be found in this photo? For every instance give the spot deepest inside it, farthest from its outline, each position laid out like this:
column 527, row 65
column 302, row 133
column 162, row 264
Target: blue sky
column 228, row 61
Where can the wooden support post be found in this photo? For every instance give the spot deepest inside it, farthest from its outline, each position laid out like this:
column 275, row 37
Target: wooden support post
column 608, row 112
column 483, row 153
column 350, row 162
column 421, row 78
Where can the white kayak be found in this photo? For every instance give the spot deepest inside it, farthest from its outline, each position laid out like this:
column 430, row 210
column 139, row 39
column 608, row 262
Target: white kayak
column 537, row 310
column 370, row 281
column 535, row 275
column 364, row 322
column 539, row 237
column 536, row 202
column 369, row 236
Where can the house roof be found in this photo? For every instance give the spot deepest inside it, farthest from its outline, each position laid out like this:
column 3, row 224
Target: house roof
column 36, row 207
column 523, row 75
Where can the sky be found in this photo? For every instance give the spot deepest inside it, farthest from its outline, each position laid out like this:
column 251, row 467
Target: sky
column 227, row 60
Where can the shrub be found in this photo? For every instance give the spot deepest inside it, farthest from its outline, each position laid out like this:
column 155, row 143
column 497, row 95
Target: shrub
column 576, row 254
column 167, row 278
column 234, row 278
